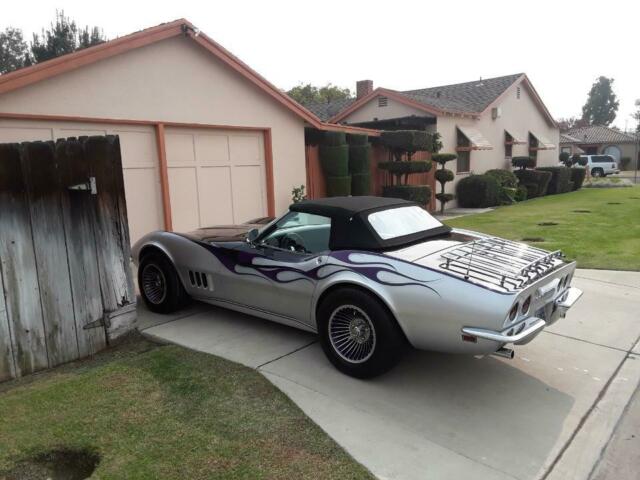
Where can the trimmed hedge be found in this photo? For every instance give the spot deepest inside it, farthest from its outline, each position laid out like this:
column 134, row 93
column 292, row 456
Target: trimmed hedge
column 521, row 193
column 360, row 184
column 407, row 140
column 334, row 160
column 335, row 138
column 338, row 186
column 442, row 158
column 560, row 177
column 354, row 139
column 444, row 175
column 478, row 191
column 505, row 178
column 359, row 159
column 523, row 162
column 416, row 193
column 445, row 197
column 538, row 178
column 403, row 168
column 577, row 177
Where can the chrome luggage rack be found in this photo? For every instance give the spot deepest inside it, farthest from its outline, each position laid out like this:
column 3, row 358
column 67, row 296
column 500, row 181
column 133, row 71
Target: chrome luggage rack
column 503, row 263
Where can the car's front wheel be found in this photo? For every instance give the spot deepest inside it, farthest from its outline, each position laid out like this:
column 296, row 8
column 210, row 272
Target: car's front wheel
column 160, row 287
column 358, row 334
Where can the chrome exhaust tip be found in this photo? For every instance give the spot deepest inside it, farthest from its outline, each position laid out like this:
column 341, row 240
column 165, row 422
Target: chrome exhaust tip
column 505, row 353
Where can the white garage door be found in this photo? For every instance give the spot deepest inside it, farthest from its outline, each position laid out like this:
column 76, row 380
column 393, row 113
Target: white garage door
column 215, row 177
column 139, row 162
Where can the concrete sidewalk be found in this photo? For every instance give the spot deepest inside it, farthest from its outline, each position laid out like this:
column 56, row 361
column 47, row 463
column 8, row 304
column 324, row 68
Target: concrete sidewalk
column 547, row 414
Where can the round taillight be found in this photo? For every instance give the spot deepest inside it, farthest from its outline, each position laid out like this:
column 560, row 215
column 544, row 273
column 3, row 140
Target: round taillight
column 513, row 313
column 526, row 305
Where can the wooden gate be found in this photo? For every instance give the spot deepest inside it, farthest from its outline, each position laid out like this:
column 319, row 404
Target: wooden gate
column 65, row 275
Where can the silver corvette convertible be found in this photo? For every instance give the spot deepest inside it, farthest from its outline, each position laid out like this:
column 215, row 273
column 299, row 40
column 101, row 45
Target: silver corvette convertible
column 370, row 275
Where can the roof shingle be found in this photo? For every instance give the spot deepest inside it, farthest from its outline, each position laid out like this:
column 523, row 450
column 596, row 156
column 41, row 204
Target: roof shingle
column 600, row 134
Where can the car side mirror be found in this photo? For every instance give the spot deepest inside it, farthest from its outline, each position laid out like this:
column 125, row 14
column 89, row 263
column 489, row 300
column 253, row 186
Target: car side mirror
column 252, row 235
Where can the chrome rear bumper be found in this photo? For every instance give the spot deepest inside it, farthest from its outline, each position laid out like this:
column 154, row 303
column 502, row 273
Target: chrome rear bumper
column 567, row 299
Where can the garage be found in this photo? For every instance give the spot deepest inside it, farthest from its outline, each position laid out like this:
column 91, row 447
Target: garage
column 204, row 138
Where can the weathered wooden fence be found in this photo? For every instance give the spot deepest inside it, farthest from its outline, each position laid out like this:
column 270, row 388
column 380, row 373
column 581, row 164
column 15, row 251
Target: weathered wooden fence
column 65, row 279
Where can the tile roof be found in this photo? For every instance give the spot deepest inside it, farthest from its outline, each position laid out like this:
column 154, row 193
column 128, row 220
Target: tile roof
column 327, row 110
column 467, row 97
column 565, row 138
column 600, row 134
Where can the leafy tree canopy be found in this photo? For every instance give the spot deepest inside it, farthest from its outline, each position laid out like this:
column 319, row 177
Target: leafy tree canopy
column 308, row 93
column 636, row 116
column 566, row 124
column 63, row 36
column 13, row 50
column 602, row 104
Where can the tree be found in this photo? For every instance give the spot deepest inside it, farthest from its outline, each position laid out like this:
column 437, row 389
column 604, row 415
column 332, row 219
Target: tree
column 566, row 124
column 602, row 104
column 63, row 37
column 636, row 116
column 13, row 50
column 308, row 93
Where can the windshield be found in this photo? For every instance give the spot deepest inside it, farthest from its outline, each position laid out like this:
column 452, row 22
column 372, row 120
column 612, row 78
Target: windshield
column 398, row 222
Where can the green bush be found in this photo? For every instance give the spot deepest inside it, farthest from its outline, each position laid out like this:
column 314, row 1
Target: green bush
column 560, row 177
column 521, row 193
column 445, row 197
column 577, row 177
column 444, row 176
column 442, row 158
column 354, row 139
column 523, row 162
column 359, row 159
column 478, row 191
column 334, row 160
column 565, row 158
column 532, row 189
column 338, row 186
column 402, row 168
column 410, row 141
column 416, row 193
column 335, row 138
column 505, row 178
column 360, row 184
column 536, row 177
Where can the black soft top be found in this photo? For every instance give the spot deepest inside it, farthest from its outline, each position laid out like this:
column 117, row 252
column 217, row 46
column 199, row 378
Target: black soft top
column 350, row 228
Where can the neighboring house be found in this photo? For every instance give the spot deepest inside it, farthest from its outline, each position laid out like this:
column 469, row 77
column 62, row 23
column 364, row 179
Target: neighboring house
column 486, row 122
column 570, row 144
column 204, row 138
column 598, row 139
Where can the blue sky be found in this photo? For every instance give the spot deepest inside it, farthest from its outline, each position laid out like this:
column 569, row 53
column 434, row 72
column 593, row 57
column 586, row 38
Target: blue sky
column 562, row 45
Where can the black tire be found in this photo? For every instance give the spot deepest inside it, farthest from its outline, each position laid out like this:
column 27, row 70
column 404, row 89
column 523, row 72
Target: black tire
column 369, row 314
column 597, row 172
column 166, row 294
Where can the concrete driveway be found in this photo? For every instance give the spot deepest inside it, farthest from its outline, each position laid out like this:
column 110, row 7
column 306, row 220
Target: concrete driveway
column 550, row 413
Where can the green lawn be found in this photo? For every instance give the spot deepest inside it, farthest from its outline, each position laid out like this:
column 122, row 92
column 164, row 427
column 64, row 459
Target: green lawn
column 607, row 236
column 154, row 412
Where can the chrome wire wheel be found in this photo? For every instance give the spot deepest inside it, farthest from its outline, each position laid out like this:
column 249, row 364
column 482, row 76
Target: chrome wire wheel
column 352, row 334
column 154, row 284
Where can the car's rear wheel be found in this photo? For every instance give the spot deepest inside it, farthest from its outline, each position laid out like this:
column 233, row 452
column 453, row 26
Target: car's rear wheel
column 597, row 172
column 160, row 287
column 358, row 334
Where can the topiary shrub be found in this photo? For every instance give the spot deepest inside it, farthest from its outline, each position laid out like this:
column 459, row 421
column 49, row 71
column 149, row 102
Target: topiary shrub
column 508, row 183
column 534, row 177
column 443, row 176
column 354, row 139
column 565, row 158
column 360, row 184
column 338, row 186
column 523, row 162
column 400, row 169
column 416, row 193
column 478, row 191
column 334, row 159
column 560, row 177
column 521, row 193
column 578, row 175
column 360, row 167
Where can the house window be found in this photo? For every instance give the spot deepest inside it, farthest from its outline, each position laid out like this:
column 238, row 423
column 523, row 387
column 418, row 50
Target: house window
column 508, row 145
column 463, row 150
column 382, row 101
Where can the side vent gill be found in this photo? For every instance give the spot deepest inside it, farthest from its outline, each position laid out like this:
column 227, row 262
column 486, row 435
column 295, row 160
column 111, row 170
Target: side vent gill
column 200, row 280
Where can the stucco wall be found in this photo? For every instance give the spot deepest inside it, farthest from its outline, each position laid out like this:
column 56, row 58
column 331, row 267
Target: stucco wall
column 173, row 80
column 371, row 110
